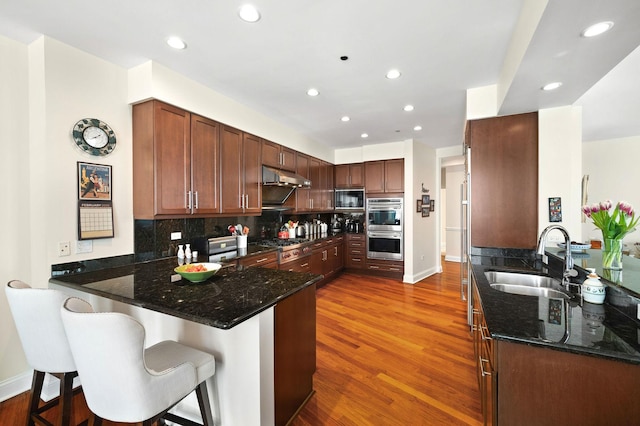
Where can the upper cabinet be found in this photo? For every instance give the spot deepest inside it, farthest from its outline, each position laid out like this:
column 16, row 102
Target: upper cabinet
column 349, row 175
column 169, row 146
column 384, row 176
column 504, row 180
column 241, row 172
column 278, row 156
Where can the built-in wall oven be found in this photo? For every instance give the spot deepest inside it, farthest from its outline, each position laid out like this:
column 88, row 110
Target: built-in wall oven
column 385, row 228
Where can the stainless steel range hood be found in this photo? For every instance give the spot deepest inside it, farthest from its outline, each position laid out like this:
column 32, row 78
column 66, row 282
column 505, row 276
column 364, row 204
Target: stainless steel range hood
column 278, row 185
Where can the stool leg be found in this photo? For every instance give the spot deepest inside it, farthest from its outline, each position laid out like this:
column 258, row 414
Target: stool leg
column 36, row 390
column 205, row 404
column 66, row 396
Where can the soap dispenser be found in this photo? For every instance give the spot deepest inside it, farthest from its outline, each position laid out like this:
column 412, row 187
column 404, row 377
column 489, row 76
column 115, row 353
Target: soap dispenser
column 593, row 291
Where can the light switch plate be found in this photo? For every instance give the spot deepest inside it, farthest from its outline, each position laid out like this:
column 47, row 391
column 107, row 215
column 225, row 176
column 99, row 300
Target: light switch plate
column 176, row 235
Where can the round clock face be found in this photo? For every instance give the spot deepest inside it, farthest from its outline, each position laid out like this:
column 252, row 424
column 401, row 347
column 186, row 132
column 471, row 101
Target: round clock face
column 94, row 136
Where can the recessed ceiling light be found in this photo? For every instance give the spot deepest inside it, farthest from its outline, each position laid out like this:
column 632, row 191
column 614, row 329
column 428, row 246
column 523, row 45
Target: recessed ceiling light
column 364, row 135
column 597, row 29
column 551, row 86
column 408, row 108
column 345, row 118
column 176, row 43
column 313, row 92
column 393, row 74
column 417, row 128
column 249, row 13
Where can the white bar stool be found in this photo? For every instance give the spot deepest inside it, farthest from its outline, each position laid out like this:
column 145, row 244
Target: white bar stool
column 124, row 382
column 36, row 313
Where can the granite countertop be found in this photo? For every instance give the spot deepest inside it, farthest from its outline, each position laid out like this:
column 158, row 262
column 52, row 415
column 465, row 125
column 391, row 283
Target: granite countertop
column 596, row 330
column 231, row 296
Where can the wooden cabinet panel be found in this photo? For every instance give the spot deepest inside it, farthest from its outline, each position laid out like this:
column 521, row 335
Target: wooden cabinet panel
column 205, row 147
column 374, row 176
column 295, row 352
column 504, row 180
column 394, row 175
column 349, row 175
column 241, row 172
column 316, row 184
column 264, row 260
column 232, row 189
column 298, row 265
column 278, row 156
column 355, row 251
column 303, row 195
column 329, row 193
column 385, row 176
column 175, row 162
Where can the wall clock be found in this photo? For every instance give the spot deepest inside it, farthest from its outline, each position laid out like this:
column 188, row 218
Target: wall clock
column 94, row 136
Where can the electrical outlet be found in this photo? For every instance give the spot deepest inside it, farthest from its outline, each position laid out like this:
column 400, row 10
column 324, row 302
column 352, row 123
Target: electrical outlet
column 64, row 248
column 85, row 246
column 176, row 235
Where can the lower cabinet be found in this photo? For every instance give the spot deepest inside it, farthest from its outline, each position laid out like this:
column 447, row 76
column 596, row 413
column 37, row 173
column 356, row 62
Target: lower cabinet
column 533, row 385
column 264, row 260
column 327, row 258
column 302, row 264
column 388, row 266
column 295, row 352
column 355, row 251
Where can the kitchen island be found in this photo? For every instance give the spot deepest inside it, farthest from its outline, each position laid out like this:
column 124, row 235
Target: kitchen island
column 547, row 360
column 234, row 316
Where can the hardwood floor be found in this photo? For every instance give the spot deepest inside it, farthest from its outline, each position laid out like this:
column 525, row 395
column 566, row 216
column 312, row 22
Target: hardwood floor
column 387, row 354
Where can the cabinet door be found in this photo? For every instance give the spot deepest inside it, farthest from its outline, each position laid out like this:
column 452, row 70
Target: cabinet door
column 329, row 192
column 394, row 175
column 288, row 158
column 303, row 198
column 374, row 176
column 504, row 180
column 341, row 176
column 172, row 161
column 270, row 153
column 316, row 184
column 204, row 164
column 356, row 172
column 252, row 174
column 231, row 182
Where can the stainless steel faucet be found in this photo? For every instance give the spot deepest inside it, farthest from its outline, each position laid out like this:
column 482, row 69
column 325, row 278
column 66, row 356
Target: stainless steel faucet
column 568, row 259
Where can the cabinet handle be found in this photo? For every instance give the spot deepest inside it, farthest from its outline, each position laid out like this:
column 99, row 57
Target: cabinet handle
column 187, row 199
column 356, row 245
column 356, row 260
column 242, row 201
column 304, row 265
column 482, row 372
column 262, row 260
column 394, row 269
column 482, row 335
column 246, row 205
column 374, row 267
column 196, row 193
column 335, row 251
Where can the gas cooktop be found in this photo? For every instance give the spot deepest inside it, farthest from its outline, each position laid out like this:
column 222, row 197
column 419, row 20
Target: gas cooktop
column 276, row 242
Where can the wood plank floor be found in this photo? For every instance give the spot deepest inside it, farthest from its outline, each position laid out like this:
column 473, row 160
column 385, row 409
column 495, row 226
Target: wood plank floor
column 387, row 354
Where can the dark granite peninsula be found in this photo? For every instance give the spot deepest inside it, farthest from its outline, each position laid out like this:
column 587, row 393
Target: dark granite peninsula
column 236, row 315
column 551, row 360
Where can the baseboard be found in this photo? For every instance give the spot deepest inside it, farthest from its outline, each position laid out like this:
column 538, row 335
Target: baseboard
column 453, row 259
column 22, row 383
column 15, row 385
column 413, row 279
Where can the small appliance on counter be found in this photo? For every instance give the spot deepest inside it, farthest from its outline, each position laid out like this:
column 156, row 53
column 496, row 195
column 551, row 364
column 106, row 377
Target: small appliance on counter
column 354, row 227
column 218, row 249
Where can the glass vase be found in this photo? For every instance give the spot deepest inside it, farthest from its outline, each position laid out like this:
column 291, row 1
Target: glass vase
column 612, row 254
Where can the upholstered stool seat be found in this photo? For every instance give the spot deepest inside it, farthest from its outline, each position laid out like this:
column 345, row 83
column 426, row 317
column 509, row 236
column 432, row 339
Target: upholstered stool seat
column 124, row 382
column 36, row 313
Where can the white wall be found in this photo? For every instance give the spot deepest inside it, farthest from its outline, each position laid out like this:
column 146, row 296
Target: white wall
column 15, row 177
column 612, row 166
column 560, row 167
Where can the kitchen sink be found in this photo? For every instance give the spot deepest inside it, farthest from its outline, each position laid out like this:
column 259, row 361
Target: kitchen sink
column 526, row 284
column 530, row 291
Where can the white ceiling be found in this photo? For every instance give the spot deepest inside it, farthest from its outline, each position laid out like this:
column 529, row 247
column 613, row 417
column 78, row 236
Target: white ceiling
column 441, row 47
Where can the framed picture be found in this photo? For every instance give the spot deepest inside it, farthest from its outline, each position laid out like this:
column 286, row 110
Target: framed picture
column 94, row 181
column 555, row 209
column 426, row 199
column 432, row 205
column 418, row 206
column 425, row 210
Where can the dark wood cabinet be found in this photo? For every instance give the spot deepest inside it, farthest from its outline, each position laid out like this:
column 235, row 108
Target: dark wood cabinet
column 385, row 176
column 303, row 195
column 504, row 181
column 278, row 156
column 317, row 184
column 299, row 265
column 355, row 251
column 349, row 175
column 263, row 260
column 241, row 170
column 295, row 352
column 175, row 162
column 327, row 258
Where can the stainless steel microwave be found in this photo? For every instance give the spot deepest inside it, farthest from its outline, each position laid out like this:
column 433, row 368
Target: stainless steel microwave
column 349, row 199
